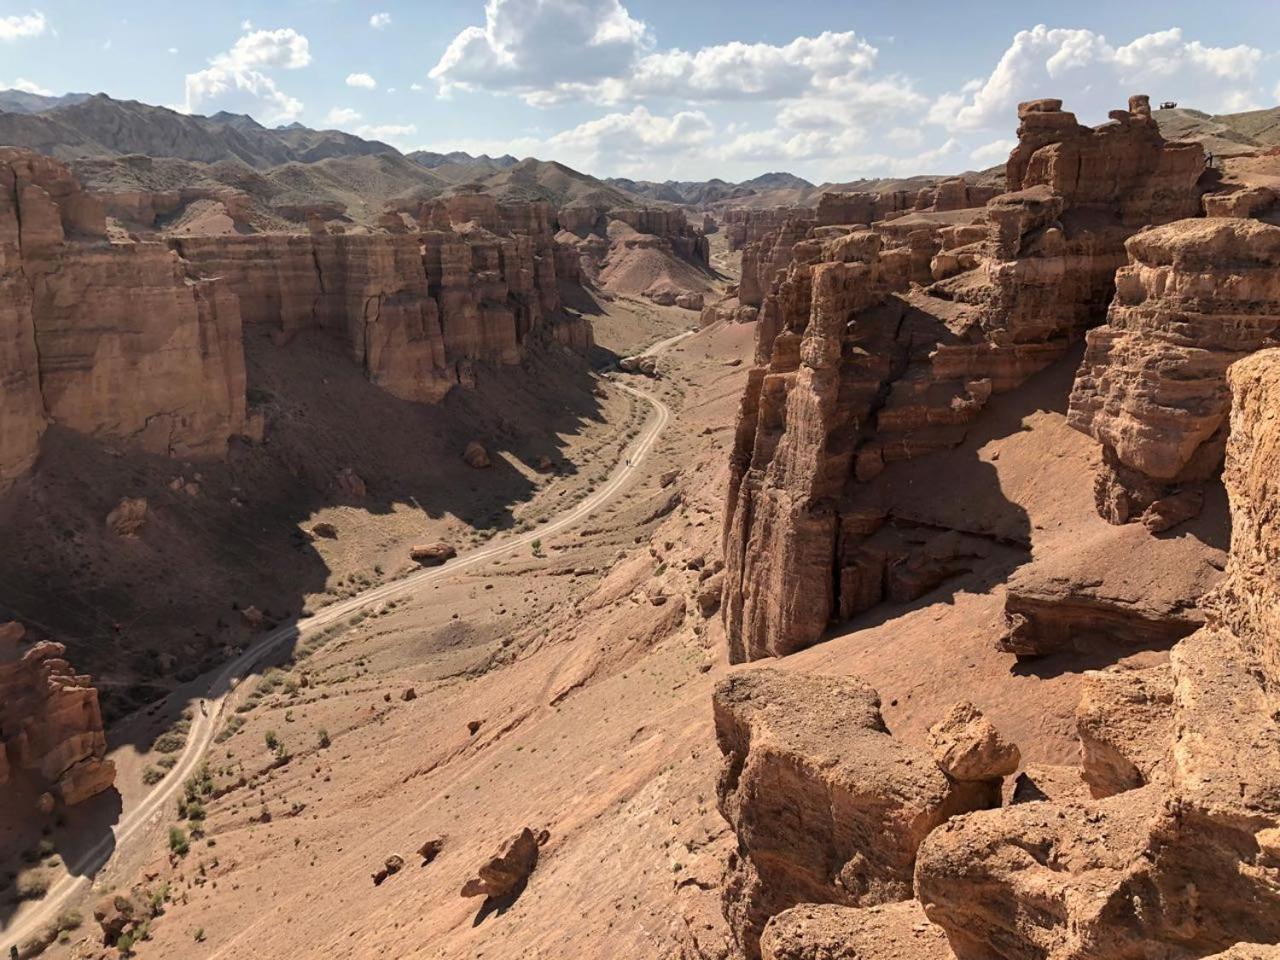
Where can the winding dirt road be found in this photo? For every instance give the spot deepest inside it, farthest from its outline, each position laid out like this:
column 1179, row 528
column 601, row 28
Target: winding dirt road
column 205, row 723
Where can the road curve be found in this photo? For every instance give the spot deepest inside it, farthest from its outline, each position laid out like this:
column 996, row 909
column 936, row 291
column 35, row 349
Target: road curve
column 205, row 722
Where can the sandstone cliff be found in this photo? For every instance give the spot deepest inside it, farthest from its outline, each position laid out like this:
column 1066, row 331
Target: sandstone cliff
column 863, row 368
column 1196, row 296
column 1179, row 856
column 140, row 342
column 114, row 340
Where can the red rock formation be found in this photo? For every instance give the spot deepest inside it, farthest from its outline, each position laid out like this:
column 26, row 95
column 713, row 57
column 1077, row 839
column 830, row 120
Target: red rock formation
column 826, row 805
column 1179, row 857
column 114, row 340
column 1196, row 296
column 860, row 373
column 415, row 310
column 50, row 724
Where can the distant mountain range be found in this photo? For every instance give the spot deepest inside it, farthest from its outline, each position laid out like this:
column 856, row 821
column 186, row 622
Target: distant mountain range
column 284, row 164
column 287, row 163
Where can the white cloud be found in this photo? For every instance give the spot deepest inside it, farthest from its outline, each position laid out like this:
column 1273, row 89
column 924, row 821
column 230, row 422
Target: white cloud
column 18, row 27
column 549, row 51
column 908, row 137
column 415, row 87
column 341, row 116
column 237, row 80
column 380, row 21
column 26, row 86
column 543, row 48
column 757, row 71
column 173, row 50
column 627, row 142
column 989, row 154
column 362, row 80
column 393, row 133
column 1094, row 76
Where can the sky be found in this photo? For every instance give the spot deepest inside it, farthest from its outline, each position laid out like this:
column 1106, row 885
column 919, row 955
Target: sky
column 830, row 90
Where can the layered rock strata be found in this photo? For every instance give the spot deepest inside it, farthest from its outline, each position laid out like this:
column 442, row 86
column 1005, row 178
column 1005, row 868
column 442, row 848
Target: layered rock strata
column 1181, row 854
column 826, row 805
column 1196, row 296
column 50, row 724
column 858, row 370
column 1167, row 842
column 115, row 340
column 416, row 310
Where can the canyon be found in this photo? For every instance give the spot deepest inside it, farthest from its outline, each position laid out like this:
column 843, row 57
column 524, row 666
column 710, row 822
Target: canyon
column 885, row 573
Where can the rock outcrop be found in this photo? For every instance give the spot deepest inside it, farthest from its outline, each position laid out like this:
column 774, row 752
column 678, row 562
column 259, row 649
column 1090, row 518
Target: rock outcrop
column 50, row 724
column 416, row 310
column 115, row 340
column 1179, row 856
column 827, row 806
column 860, row 370
column 967, row 746
column 507, row 871
column 140, row 343
column 1196, row 296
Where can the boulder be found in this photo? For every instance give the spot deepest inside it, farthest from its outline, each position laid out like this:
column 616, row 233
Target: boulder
column 116, row 914
column 967, row 746
column 508, row 870
column 324, row 529
column 432, row 554
column 128, row 517
column 431, row 849
column 349, row 484
column 476, row 455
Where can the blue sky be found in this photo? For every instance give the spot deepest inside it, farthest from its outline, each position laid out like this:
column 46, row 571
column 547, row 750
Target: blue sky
column 656, row 88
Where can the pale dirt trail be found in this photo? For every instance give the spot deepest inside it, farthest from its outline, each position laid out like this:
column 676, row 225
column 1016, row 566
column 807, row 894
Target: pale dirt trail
column 206, row 721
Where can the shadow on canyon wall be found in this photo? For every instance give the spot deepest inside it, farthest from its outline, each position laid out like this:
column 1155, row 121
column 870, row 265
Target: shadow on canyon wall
column 140, row 614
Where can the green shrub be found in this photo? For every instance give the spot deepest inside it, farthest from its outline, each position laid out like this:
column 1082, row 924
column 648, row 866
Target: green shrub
column 178, row 842
column 170, row 742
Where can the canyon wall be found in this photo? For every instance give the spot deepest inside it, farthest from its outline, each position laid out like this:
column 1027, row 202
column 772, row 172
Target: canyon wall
column 1196, row 296
column 1163, row 841
column 115, row 340
column 860, row 369
column 140, row 342
column 767, row 237
column 1180, row 856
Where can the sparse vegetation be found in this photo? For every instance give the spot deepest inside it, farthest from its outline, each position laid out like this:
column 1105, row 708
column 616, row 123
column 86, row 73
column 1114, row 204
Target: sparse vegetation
column 323, row 738
column 31, row 886
column 178, row 841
